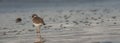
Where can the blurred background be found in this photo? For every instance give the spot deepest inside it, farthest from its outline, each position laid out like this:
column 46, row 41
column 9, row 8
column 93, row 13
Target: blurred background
column 26, row 5
column 67, row 21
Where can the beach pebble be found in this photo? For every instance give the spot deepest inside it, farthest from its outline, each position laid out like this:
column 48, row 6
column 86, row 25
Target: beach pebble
column 18, row 20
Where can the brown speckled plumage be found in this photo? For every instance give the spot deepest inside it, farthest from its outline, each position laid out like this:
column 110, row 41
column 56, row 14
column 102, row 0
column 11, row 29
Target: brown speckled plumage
column 37, row 20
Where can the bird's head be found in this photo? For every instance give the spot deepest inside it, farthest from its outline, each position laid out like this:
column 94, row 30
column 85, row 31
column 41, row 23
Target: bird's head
column 34, row 15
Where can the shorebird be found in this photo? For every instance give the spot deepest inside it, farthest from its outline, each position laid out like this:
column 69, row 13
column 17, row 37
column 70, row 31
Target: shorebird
column 37, row 22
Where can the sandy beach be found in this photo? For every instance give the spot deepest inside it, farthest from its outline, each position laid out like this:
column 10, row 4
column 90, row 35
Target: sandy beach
column 88, row 21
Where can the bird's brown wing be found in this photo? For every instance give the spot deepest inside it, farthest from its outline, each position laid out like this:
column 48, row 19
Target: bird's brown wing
column 42, row 21
column 38, row 20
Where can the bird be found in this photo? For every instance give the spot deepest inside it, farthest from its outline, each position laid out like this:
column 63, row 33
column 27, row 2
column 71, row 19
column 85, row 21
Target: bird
column 37, row 22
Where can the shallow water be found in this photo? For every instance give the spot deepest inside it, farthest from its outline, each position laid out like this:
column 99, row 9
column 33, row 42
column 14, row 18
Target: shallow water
column 33, row 5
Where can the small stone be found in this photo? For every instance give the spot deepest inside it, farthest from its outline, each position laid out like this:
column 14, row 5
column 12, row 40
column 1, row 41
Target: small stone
column 5, row 28
column 114, row 17
column 75, row 22
column 4, row 33
column 81, row 21
column 115, row 23
column 30, row 30
column 15, row 30
column 97, row 23
column 99, row 17
column 45, row 26
column 18, row 20
column 64, row 27
column 67, row 20
column 49, row 26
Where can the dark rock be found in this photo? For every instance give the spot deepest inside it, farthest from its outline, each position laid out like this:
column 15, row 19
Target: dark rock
column 115, row 23
column 86, row 22
column 97, row 23
column 49, row 26
column 4, row 33
column 18, row 20
column 75, row 22
column 114, row 17
column 64, row 27
column 67, row 20
column 81, row 21
column 5, row 28
column 45, row 26
column 99, row 17
column 30, row 30
column 93, row 18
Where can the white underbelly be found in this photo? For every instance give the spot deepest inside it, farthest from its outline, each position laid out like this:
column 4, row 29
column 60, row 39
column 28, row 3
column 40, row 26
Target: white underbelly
column 37, row 24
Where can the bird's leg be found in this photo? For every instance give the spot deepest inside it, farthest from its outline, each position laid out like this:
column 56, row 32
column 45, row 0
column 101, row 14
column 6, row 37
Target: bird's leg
column 38, row 34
